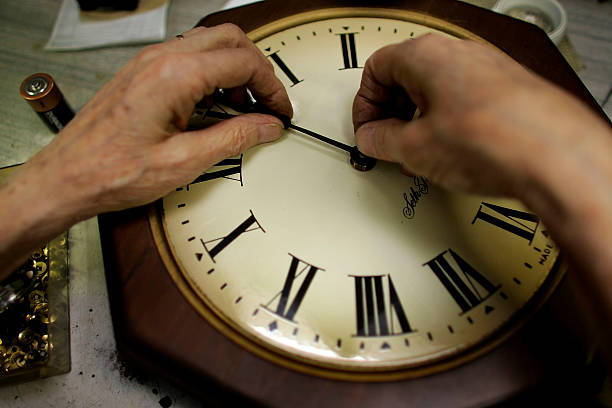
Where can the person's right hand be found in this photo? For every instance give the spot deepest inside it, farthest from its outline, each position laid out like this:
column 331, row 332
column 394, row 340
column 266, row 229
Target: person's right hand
column 487, row 124
column 129, row 145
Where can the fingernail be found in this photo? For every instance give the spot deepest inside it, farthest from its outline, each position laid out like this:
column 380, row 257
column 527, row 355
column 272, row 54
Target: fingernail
column 269, row 132
column 364, row 137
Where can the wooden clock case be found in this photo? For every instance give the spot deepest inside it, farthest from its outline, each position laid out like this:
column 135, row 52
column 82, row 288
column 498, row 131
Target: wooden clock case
column 157, row 328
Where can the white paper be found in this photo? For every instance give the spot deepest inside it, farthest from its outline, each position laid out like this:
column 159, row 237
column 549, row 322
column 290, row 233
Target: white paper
column 237, row 3
column 74, row 30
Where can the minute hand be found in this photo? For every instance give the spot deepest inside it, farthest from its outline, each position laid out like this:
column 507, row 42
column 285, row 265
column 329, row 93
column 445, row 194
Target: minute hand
column 287, row 124
column 359, row 160
column 322, row 138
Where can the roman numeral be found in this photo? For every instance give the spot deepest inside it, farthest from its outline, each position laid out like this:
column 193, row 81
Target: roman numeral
column 230, row 169
column 377, row 310
column 248, row 225
column 283, row 67
column 469, row 291
column 287, row 305
column 349, row 50
column 520, row 223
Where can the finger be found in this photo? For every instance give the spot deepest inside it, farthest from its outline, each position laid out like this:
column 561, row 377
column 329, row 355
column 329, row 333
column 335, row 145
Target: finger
column 234, row 97
column 393, row 140
column 225, row 36
column 201, row 39
column 406, row 65
column 184, row 79
column 239, row 68
column 191, row 153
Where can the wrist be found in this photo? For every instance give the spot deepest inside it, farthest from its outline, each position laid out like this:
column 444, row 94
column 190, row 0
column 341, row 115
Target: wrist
column 570, row 188
column 34, row 209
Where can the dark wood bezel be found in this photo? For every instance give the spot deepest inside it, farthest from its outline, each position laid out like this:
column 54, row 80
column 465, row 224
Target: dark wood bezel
column 156, row 327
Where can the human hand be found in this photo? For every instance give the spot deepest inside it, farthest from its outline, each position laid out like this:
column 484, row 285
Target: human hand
column 488, row 125
column 128, row 146
column 485, row 120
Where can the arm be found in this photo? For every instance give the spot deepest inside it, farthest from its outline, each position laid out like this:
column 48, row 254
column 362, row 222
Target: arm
column 128, row 146
column 490, row 126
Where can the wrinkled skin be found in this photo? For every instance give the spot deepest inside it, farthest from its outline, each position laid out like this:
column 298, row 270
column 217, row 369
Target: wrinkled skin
column 128, row 146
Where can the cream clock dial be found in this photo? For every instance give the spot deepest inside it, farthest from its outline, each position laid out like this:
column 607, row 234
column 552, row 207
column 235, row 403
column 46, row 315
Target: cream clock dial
column 299, row 253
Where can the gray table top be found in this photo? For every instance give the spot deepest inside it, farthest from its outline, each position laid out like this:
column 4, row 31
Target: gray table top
column 98, row 378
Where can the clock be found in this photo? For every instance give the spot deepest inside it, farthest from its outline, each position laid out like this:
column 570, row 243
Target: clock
column 288, row 276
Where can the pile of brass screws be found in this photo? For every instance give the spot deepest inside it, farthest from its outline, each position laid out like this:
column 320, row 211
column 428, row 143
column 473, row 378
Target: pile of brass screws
column 24, row 335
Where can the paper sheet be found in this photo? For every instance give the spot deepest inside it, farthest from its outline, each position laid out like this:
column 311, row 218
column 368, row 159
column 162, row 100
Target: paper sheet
column 237, row 3
column 76, row 30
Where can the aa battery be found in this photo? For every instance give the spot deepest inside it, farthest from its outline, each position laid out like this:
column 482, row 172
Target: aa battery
column 45, row 98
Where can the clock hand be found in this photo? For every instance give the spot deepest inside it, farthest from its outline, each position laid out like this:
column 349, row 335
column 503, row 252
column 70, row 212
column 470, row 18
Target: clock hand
column 358, row 160
column 322, row 138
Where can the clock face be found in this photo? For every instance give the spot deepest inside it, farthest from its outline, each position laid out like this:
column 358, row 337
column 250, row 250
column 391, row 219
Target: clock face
column 289, row 249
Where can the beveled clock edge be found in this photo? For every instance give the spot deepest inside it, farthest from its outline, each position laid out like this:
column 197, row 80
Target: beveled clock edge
column 341, row 12
column 429, row 391
column 522, row 41
column 188, row 291
column 132, row 347
column 328, row 371
column 177, row 370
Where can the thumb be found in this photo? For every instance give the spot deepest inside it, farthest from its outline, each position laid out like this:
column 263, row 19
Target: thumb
column 391, row 139
column 206, row 147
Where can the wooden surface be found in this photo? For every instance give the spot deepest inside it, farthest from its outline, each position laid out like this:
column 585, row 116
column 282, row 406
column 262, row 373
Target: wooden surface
column 98, row 378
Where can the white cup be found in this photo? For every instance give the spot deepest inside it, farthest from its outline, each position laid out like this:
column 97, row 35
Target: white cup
column 553, row 13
